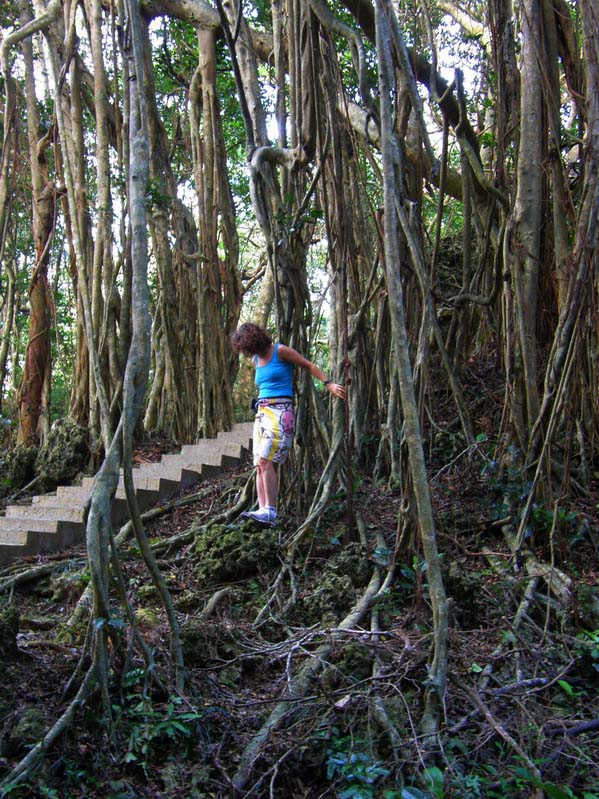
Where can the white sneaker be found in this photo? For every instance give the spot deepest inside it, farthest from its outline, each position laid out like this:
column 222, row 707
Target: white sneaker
column 263, row 516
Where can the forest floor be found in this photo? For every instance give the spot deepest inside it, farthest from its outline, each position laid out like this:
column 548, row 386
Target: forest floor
column 520, row 716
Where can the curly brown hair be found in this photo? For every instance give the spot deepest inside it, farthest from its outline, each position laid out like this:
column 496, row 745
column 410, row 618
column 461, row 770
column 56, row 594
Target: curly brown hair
column 251, row 339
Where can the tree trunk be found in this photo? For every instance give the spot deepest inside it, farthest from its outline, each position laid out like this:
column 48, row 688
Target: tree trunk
column 393, row 200
column 37, row 356
column 219, row 290
column 527, row 216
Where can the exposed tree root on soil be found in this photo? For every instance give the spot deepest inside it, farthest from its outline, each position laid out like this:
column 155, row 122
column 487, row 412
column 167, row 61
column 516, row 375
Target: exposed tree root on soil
column 300, row 685
column 315, row 682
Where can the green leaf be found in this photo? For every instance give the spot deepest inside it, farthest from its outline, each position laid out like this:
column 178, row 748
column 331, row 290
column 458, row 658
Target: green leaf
column 381, row 556
column 555, row 792
column 565, row 686
column 434, row 778
column 414, row 793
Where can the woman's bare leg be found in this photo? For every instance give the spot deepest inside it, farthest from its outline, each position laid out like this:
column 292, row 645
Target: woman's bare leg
column 267, row 484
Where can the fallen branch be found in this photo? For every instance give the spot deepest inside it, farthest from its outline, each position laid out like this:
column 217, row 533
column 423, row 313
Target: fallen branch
column 7, row 500
column 557, row 582
column 29, row 575
column 575, row 729
column 213, row 602
column 499, row 728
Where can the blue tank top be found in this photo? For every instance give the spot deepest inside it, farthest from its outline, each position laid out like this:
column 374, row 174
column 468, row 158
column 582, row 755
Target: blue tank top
column 274, row 379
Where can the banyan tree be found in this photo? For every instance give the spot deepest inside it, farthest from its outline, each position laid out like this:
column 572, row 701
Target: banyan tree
column 170, row 167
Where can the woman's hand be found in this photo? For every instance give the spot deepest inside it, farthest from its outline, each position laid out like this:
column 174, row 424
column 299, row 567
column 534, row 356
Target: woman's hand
column 336, row 390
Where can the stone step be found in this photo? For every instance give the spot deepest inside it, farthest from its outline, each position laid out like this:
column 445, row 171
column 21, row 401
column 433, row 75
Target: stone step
column 199, row 466
column 209, row 463
column 151, row 484
column 40, row 534
column 178, row 473
column 211, row 446
column 241, row 433
column 8, row 526
column 53, row 521
column 34, row 542
column 67, row 495
column 62, row 512
column 162, row 485
column 10, row 552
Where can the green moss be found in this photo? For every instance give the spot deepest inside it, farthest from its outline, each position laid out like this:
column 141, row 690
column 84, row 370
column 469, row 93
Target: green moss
column 16, row 469
column 64, row 454
column 187, row 601
column 148, row 618
column 351, row 561
column 356, row 661
column 350, row 663
column 204, row 643
column 232, row 552
column 466, row 589
column 587, row 605
column 334, row 596
column 28, row 729
column 67, row 586
column 9, row 628
column 329, row 603
column 145, row 592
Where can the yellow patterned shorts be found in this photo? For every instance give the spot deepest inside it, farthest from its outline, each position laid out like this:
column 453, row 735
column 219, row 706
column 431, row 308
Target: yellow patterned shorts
column 274, row 426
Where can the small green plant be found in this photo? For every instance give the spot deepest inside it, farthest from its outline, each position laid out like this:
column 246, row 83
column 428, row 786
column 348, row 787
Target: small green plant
column 590, row 639
column 151, row 729
column 544, row 518
column 525, row 780
column 356, row 771
column 434, row 780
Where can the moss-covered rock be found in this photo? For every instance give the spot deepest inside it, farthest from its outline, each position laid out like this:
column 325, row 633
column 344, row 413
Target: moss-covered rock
column 465, row 587
column 352, row 561
column 346, row 571
column 26, row 730
column 356, row 661
column 587, row 605
column 16, row 469
column 329, row 603
column 67, row 586
column 9, row 628
column 351, row 662
column 188, row 601
column 147, row 618
column 64, row 455
column 228, row 552
column 205, row 643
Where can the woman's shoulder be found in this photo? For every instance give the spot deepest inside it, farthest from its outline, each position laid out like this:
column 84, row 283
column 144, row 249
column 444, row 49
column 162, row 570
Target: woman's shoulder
column 291, row 356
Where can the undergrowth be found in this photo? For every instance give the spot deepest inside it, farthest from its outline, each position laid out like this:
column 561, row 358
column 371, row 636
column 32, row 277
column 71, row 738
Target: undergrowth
column 520, row 711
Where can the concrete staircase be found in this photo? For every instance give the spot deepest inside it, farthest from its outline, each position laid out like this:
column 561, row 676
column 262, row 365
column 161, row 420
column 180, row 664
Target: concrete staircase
column 54, row 521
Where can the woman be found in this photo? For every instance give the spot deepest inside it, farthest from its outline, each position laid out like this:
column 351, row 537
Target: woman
column 275, row 417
